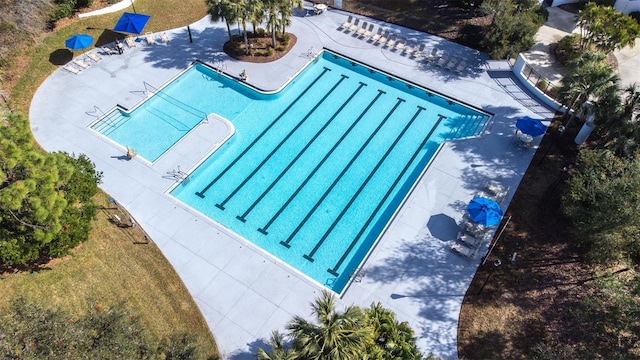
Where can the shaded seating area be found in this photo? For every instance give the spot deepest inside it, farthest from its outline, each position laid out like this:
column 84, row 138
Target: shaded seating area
column 347, row 24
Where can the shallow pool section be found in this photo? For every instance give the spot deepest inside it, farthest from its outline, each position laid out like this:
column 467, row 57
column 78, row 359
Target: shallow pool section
column 314, row 173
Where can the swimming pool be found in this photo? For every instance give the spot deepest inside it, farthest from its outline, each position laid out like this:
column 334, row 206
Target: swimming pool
column 315, row 172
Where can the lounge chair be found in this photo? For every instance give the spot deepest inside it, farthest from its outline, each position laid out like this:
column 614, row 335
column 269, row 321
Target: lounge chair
column 472, row 228
column 345, row 25
column 108, row 51
column 419, row 53
column 496, row 190
column 383, row 39
column 164, row 38
column 392, row 41
column 148, row 37
column 355, row 25
column 463, row 251
column 83, row 64
column 433, row 55
column 453, row 61
column 460, row 68
column 469, row 240
column 131, row 42
column 368, row 32
column 401, row 44
column 362, row 30
column 95, row 57
column 410, row 49
column 444, row 59
column 377, row 36
column 72, row 69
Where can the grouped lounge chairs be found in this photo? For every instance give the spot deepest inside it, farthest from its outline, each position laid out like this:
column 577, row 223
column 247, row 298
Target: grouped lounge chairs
column 148, row 37
column 164, row 38
column 392, row 41
column 355, row 25
column 108, row 51
column 369, row 31
column 72, row 69
column 347, row 24
column 400, row 45
column 463, row 251
column 95, row 57
column 383, row 39
column 82, row 63
column 419, row 52
column 362, row 29
column 377, row 35
column 130, row 41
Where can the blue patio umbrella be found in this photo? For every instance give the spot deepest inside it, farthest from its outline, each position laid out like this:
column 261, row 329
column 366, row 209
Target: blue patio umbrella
column 131, row 23
column 484, row 211
column 79, row 41
column 529, row 126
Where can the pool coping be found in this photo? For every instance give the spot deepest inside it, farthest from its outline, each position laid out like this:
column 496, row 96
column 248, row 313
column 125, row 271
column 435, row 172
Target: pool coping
column 242, row 293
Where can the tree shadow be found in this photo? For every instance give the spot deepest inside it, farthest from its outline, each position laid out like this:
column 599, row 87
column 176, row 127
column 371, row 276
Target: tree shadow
column 60, row 56
column 108, row 36
column 251, row 353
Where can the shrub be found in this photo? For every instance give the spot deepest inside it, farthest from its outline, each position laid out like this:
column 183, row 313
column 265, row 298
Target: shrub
column 568, row 48
column 65, row 9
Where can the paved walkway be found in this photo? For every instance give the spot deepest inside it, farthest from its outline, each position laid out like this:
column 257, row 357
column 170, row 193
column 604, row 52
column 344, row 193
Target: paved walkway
column 243, row 293
column 562, row 23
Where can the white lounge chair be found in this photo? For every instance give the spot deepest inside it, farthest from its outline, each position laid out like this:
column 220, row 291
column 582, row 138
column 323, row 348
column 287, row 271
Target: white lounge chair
column 443, row 60
column 109, row 51
column 377, row 36
column 368, row 32
column 355, row 25
column 460, row 68
column 469, row 240
column 392, row 41
column 433, row 55
column 453, row 61
column 72, row 69
column 401, row 44
column 95, row 57
column 347, row 24
column 362, row 29
column 131, row 42
column 419, row 53
column 83, row 64
column 148, row 37
column 410, row 49
column 164, row 38
column 463, row 251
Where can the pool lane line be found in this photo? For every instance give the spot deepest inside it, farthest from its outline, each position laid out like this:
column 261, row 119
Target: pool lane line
column 246, row 150
column 286, row 243
column 221, row 205
column 300, row 153
column 313, row 172
column 334, row 271
column 364, row 184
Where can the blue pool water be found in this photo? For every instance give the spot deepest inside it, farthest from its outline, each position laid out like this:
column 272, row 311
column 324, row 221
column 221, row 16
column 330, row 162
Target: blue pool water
column 315, row 172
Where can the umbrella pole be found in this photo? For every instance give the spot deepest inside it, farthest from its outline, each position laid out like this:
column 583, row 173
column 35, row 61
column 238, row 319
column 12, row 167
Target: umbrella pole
column 134, row 8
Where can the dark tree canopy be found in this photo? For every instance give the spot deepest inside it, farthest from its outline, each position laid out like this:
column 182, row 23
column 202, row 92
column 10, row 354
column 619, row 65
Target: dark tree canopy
column 46, row 203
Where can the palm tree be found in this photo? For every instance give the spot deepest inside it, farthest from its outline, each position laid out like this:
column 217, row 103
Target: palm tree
column 285, row 10
column 256, row 13
column 338, row 336
column 589, row 78
column 222, row 10
column 278, row 349
column 393, row 340
column 271, row 8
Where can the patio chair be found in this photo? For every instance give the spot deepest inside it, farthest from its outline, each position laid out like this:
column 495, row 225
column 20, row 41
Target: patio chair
column 362, row 29
column 131, row 42
column 95, row 57
column 383, row 39
column 399, row 46
column 410, row 49
column 368, row 32
column 164, row 38
column 466, row 252
column 355, row 25
column 148, row 37
column 469, row 240
column 83, row 64
column 461, row 66
column 419, row 52
column 377, row 36
column 472, row 228
column 345, row 25
column 107, row 50
column 433, row 55
column 496, row 191
column 72, row 69
column 443, row 60
column 392, row 41
column 453, row 61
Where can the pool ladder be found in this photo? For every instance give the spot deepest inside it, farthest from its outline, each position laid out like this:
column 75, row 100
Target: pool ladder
column 179, row 175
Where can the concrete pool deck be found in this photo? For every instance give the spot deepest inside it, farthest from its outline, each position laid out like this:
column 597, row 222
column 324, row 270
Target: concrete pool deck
column 242, row 292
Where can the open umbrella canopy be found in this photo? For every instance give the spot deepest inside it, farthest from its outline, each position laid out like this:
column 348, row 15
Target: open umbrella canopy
column 529, row 126
column 79, row 41
column 484, row 211
column 132, row 23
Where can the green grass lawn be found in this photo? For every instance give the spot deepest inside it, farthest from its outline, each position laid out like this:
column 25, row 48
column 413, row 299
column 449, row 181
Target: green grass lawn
column 111, row 266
